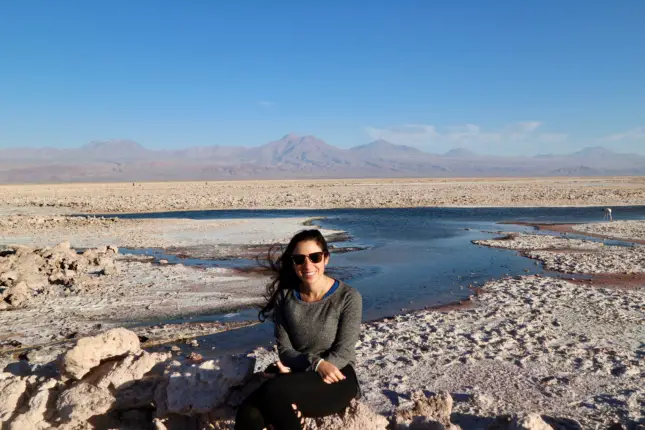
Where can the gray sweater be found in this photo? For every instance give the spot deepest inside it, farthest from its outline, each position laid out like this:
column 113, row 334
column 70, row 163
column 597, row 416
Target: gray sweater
column 328, row 328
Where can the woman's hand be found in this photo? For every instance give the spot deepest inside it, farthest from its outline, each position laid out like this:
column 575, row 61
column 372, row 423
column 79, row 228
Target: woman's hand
column 275, row 369
column 282, row 367
column 329, row 373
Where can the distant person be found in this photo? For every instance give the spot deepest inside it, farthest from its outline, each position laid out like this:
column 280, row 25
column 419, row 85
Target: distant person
column 317, row 324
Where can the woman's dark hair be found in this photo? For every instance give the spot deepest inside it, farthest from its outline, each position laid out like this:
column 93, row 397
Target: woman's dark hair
column 284, row 275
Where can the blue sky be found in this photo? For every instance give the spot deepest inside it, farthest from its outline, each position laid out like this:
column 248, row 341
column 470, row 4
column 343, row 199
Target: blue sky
column 499, row 77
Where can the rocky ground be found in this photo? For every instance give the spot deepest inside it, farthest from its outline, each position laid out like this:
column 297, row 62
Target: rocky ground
column 63, row 295
column 317, row 194
column 109, row 382
column 566, row 255
column 619, row 229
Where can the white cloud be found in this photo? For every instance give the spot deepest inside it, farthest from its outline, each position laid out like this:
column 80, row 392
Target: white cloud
column 266, row 104
column 636, row 133
column 467, row 135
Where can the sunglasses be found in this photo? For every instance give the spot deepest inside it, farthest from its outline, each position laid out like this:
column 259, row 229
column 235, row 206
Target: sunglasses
column 314, row 257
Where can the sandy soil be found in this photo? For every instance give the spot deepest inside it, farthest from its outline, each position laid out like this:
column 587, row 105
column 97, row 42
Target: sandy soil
column 169, row 196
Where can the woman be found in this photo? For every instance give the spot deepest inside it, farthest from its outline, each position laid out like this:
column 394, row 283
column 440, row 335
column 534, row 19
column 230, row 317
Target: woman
column 317, row 323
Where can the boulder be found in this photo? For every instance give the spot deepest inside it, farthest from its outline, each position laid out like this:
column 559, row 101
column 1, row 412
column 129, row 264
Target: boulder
column 194, row 389
column 529, row 422
column 428, row 412
column 91, row 256
column 89, row 351
column 108, row 266
column 357, row 416
column 8, row 276
column 138, row 394
column 83, row 401
column 119, row 374
column 18, row 295
column 38, row 408
column 12, row 389
column 26, row 272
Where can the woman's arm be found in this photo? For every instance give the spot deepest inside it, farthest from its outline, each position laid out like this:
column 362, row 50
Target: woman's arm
column 288, row 355
column 349, row 328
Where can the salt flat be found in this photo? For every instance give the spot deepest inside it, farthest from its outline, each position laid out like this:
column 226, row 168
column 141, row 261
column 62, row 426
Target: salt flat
column 319, row 194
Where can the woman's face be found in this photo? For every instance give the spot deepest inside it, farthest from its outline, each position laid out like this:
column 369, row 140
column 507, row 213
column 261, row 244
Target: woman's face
column 307, row 270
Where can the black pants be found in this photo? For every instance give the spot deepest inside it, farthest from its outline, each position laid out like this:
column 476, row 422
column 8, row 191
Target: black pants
column 271, row 403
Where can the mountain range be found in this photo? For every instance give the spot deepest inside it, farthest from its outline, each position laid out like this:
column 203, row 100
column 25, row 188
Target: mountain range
column 292, row 157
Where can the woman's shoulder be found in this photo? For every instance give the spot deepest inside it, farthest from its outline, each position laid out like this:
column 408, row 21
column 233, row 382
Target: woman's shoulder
column 349, row 292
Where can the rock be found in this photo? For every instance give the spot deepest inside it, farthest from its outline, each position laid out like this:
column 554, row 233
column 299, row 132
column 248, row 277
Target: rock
column 193, row 389
column 195, row 357
column 529, row 422
column 26, row 272
column 11, row 393
column 18, row 295
column 37, row 412
column 83, row 401
column 357, row 416
column 162, row 261
column 625, row 371
column 481, row 400
column 112, row 249
column 119, row 374
column 92, row 256
column 8, row 276
column 61, row 247
column 109, row 267
column 426, row 411
column 89, row 351
column 138, row 394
